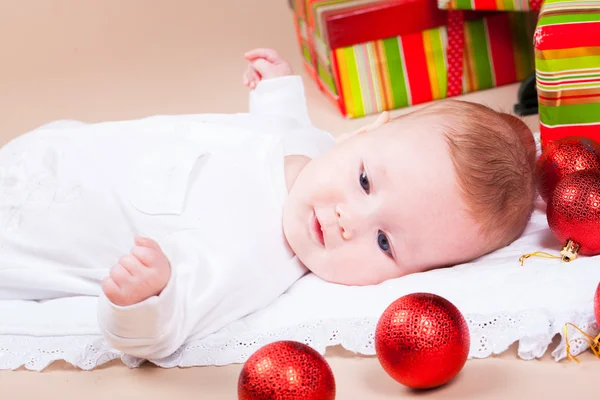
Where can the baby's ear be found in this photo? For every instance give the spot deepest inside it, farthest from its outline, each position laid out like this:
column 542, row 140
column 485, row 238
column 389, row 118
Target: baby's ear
column 381, row 120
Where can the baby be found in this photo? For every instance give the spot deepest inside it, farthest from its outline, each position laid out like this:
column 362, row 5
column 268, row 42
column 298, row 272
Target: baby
column 183, row 224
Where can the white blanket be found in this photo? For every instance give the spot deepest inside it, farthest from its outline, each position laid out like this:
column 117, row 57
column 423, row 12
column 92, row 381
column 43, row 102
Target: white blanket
column 502, row 301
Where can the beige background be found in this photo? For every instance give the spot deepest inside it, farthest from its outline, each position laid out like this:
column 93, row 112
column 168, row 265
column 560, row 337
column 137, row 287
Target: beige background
column 98, row 60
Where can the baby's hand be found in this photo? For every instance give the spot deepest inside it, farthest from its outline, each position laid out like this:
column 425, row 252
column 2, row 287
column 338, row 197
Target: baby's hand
column 139, row 275
column 264, row 64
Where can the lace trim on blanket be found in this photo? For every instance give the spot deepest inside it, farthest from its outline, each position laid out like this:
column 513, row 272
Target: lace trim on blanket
column 534, row 330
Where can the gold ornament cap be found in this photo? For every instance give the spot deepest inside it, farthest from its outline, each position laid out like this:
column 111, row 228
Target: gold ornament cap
column 569, row 251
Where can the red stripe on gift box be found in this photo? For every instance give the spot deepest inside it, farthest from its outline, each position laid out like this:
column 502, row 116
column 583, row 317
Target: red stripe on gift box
column 380, row 20
column 416, row 68
column 571, row 82
column 485, row 5
column 567, row 36
column 565, row 97
column 550, row 134
column 501, row 49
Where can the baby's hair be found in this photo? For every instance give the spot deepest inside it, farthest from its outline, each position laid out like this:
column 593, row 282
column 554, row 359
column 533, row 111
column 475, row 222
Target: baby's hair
column 494, row 157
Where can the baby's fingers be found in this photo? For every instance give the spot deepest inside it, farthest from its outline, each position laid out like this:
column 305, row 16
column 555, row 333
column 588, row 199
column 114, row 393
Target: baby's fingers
column 125, row 270
column 147, row 242
column 251, row 77
column 147, row 256
column 116, row 284
column 264, row 68
column 246, row 77
column 112, row 290
column 268, row 54
column 118, row 292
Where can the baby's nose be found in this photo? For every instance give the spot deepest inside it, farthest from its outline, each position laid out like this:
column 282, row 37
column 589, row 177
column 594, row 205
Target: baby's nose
column 343, row 222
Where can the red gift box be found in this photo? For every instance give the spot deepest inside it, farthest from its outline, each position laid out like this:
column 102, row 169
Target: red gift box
column 375, row 55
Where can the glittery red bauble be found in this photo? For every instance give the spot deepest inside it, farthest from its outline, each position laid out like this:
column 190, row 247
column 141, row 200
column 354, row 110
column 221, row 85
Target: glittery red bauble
column 574, row 211
column 422, row 340
column 563, row 157
column 286, row 370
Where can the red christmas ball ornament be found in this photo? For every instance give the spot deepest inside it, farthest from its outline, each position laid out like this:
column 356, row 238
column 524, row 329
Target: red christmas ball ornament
column 422, row 340
column 286, row 370
column 574, row 214
column 563, row 157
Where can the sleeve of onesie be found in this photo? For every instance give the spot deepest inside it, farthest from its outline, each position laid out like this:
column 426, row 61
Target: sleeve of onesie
column 281, row 96
column 159, row 325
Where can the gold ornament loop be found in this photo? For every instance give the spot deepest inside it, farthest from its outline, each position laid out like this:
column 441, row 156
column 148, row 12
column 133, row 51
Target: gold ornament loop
column 540, row 254
column 594, row 343
column 568, row 253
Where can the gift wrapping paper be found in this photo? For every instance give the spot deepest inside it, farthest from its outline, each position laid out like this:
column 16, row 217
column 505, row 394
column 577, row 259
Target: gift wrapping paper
column 370, row 56
column 567, row 62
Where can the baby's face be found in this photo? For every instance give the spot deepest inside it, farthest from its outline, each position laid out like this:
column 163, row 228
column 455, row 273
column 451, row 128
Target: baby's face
column 380, row 205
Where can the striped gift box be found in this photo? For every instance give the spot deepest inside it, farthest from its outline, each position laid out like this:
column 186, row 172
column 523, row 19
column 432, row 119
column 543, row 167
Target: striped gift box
column 492, row 5
column 370, row 56
column 567, row 60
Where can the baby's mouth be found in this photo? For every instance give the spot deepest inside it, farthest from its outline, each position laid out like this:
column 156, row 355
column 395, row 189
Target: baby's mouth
column 317, row 229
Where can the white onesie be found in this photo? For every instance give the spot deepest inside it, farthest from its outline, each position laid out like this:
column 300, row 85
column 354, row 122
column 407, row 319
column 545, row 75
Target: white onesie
column 208, row 188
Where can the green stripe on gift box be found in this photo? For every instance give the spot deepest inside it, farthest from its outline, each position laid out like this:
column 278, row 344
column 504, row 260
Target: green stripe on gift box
column 396, row 71
column 572, row 86
column 355, row 91
column 570, row 114
column 568, row 18
column 327, row 78
column 306, row 52
column 567, row 64
column 574, row 75
column 481, row 54
column 464, row 4
column 439, row 57
column 508, row 5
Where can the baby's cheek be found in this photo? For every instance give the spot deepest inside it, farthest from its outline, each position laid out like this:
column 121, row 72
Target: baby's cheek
column 352, row 265
column 366, row 265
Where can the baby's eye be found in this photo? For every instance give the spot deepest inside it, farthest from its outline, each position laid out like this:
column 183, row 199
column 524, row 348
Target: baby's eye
column 364, row 181
column 383, row 242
